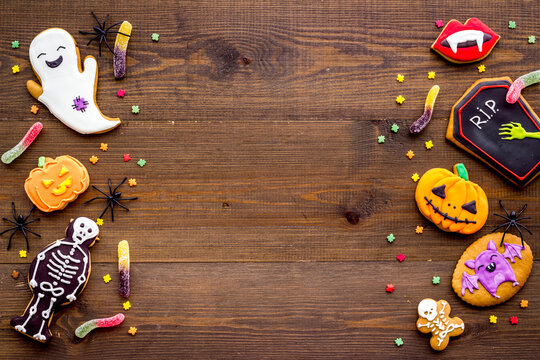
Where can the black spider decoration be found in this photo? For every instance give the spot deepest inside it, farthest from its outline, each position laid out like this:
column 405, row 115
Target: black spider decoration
column 513, row 220
column 101, row 33
column 114, row 197
column 20, row 225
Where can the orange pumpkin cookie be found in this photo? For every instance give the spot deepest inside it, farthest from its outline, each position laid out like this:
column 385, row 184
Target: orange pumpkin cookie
column 58, row 183
column 451, row 201
column 434, row 317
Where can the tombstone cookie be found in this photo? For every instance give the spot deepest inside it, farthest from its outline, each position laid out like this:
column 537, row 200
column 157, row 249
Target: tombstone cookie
column 434, row 317
column 505, row 136
column 56, row 277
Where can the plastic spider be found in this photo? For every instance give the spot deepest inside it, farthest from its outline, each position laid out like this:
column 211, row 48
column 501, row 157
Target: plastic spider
column 114, row 197
column 513, row 220
column 20, row 225
column 101, row 33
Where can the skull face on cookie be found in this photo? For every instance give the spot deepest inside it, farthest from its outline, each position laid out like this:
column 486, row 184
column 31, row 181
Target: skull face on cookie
column 434, row 317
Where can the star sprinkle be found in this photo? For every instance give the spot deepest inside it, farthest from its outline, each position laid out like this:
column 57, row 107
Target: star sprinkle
column 15, row 44
column 399, row 341
column 419, row 229
column 15, row 69
column 429, row 144
column 34, row 109
column 431, row 75
column 481, row 68
column 104, row 147
column 141, row 162
column 99, row 221
column 127, row 305
column 390, row 288
column 410, row 154
column 107, row 278
column 391, row 238
column 127, row 157
column 135, row 109
column 15, row 274
column 531, row 39
column 93, row 159
column 511, row 24
column 395, row 128
column 513, row 320
column 22, row 253
column 155, row 37
column 436, row 280
column 439, row 23
column 524, row 303
column 132, row 182
column 120, row 93
column 400, row 257
column 132, row 330
column 493, row 319
column 400, row 99
column 415, row 177
column 380, row 139
column 400, row 78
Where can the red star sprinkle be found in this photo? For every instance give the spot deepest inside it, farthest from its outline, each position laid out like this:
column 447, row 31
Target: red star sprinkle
column 389, row 288
column 513, row 320
column 121, row 93
column 127, row 157
column 400, row 257
column 439, row 23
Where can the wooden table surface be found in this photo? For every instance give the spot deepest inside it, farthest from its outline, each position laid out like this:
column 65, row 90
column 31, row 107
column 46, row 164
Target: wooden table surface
column 259, row 122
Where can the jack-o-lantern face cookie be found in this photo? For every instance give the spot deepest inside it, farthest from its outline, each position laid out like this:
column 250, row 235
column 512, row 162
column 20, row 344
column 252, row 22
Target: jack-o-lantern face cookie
column 451, row 201
column 434, row 317
column 490, row 272
column 58, row 183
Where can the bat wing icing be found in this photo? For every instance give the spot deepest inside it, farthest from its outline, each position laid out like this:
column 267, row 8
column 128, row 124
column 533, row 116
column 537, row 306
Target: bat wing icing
column 511, row 251
column 469, row 282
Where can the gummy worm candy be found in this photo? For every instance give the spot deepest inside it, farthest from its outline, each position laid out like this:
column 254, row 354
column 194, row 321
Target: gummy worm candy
column 522, row 82
column 120, row 49
column 423, row 120
column 18, row 149
column 90, row 325
column 123, row 268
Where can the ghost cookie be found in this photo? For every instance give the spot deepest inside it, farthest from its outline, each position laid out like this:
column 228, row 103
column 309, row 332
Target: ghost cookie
column 68, row 92
column 434, row 317
column 492, row 269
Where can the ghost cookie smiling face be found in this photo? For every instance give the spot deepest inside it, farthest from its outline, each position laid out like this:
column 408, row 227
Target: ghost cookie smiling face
column 53, row 51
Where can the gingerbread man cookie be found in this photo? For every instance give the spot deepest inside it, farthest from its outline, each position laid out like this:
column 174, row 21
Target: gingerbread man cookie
column 434, row 318
column 67, row 90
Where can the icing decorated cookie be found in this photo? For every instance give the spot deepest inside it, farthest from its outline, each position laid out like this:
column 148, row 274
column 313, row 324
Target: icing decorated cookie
column 434, row 317
column 67, row 90
column 490, row 273
column 451, row 201
column 505, row 136
column 57, row 183
column 465, row 43
column 56, row 277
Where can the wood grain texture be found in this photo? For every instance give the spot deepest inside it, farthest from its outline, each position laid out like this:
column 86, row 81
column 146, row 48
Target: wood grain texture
column 258, row 123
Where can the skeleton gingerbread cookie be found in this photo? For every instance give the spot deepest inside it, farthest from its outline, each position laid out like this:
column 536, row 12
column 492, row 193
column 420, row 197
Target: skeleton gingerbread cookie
column 67, row 90
column 434, row 317
column 57, row 276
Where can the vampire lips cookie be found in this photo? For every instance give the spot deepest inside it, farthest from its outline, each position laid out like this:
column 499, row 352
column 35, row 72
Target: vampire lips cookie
column 451, row 201
column 465, row 43
column 490, row 272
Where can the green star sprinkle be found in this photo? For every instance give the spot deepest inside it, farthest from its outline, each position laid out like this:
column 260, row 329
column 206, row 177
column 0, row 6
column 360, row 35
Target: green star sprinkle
column 511, row 24
column 155, row 37
column 391, row 238
column 395, row 128
column 15, row 44
column 436, row 280
column 399, row 341
column 381, row 139
column 141, row 162
column 532, row 39
column 135, row 109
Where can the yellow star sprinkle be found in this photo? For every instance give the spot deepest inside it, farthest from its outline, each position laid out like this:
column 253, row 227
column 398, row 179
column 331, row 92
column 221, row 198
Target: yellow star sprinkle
column 429, row 144
column 415, row 177
column 410, row 154
column 481, row 68
column 132, row 330
column 22, row 253
column 400, row 99
column 34, row 109
column 104, row 147
column 524, row 303
column 107, row 278
column 126, row 305
column 493, row 319
column 400, row 78
column 15, row 69
column 94, row 159
column 419, row 229
column 99, row 221
column 132, row 182
column 431, row 75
